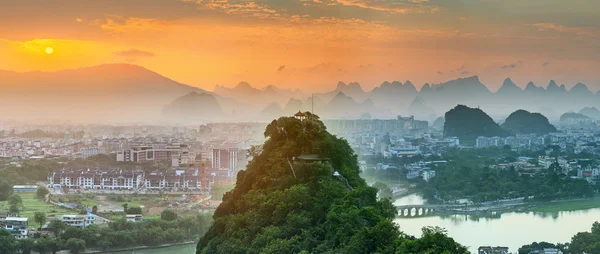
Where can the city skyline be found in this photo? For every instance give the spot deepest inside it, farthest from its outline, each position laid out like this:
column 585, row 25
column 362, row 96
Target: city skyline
column 310, row 45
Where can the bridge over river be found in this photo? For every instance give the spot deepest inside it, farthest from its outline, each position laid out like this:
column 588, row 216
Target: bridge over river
column 429, row 209
column 426, row 209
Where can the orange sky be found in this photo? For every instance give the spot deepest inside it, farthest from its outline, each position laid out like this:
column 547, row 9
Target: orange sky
column 311, row 44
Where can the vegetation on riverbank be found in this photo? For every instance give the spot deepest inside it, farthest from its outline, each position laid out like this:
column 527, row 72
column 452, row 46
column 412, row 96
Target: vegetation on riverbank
column 118, row 234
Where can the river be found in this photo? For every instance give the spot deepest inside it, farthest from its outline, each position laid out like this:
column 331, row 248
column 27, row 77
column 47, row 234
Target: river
column 510, row 229
column 180, row 249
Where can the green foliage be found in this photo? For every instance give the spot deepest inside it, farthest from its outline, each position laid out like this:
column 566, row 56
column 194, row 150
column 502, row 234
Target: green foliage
column 57, row 227
column 535, row 246
column 8, row 244
column 168, row 215
column 15, row 200
column 434, row 240
column 25, row 245
column 133, row 210
column 6, row 190
column 75, row 245
column 282, row 205
column 40, row 218
column 42, row 192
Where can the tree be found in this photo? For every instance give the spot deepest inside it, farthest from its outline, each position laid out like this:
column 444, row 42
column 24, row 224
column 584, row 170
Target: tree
column 14, row 209
column 57, row 227
column 94, row 209
column 125, row 208
column 42, row 192
column 168, row 215
column 40, row 218
column 8, row 244
column 15, row 200
column 6, row 190
column 303, row 194
column 433, row 240
column 134, row 210
column 26, row 245
column 75, row 245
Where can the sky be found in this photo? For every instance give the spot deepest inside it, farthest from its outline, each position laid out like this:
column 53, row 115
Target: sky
column 311, row 44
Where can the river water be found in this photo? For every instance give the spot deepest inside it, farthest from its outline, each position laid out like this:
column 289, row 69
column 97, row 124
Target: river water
column 511, row 230
column 180, row 249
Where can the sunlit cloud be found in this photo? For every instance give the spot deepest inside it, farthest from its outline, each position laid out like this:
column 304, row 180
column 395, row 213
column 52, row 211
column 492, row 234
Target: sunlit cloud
column 410, row 6
column 580, row 31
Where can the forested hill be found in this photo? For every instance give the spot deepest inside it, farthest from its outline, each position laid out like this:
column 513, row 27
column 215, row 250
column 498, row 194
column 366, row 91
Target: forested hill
column 469, row 123
column 524, row 122
column 303, row 194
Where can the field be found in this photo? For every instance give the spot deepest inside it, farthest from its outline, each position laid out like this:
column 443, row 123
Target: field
column 32, row 205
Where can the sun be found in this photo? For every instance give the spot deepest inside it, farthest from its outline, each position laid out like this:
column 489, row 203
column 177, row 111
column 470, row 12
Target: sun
column 49, row 50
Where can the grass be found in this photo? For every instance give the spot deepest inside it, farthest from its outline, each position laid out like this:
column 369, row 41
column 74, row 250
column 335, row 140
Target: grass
column 32, row 205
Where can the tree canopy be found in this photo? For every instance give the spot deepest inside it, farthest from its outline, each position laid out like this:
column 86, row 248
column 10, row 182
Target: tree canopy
column 303, row 194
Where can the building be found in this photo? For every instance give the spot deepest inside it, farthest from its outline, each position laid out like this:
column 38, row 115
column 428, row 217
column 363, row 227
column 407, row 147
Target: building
column 97, row 179
column 4, row 215
column 25, row 188
column 547, row 251
column 18, row 226
column 492, row 250
column 134, row 217
column 156, row 153
column 81, row 221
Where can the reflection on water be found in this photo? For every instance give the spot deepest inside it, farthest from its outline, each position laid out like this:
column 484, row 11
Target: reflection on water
column 511, row 229
column 181, row 249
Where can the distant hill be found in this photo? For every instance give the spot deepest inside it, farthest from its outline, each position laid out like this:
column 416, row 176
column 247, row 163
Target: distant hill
column 572, row 115
column 193, row 107
column 524, row 122
column 272, row 110
column 469, row 123
column 293, row 105
column 592, row 112
column 439, row 123
column 106, row 93
column 419, row 109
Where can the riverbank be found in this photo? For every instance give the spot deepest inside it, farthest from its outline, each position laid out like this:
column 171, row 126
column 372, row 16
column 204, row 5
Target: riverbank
column 136, row 249
column 562, row 205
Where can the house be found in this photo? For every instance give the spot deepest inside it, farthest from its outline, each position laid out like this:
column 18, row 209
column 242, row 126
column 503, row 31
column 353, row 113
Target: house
column 18, row 226
column 134, row 217
column 25, row 188
column 547, row 251
column 81, row 221
column 492, row 250
column 4, row 215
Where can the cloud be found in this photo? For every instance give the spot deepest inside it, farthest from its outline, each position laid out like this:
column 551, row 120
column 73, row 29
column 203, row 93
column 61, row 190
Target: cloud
column 244, row 8
column 134, row 53
column 458, row 69
column 512, row 65
column 402, row 7
column 464, row 73
column 79, row 20
column 545, row 64
column 440, row 73
column 579, row 31
column 280, row 68
column 120, row 25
